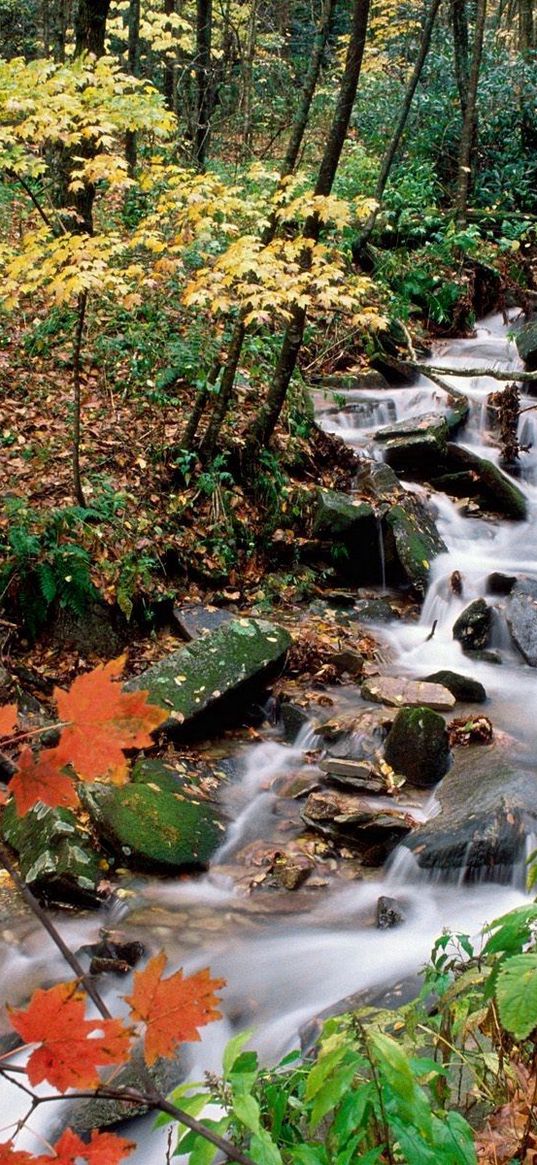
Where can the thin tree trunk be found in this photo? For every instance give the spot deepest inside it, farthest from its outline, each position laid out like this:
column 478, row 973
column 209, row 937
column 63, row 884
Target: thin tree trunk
column 55, row 20
column 403, row 117
column 77, row 356
column 264, row 423
column 525, row 26
column 294, row 146
column 247, row 80
column 203, row 78
column 461, row 52
column 90, row 26
column 169, row 66
column 469, row 128
column 133, row 67
column 199, row 406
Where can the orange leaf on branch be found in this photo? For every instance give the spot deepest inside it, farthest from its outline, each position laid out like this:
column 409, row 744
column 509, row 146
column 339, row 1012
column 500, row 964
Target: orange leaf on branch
column 70, row 1047
column 102, row 1149
column 8, row 719
column 173, row 1009
column 103, row 721
column 39, row 777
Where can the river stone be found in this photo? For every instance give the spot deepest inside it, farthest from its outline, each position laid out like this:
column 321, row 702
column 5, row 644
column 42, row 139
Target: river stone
column 415, row 541
column 522, row 618
column 500, row 584
column 432, row 426
column 356, row 822
column 398, row 692
column 212, row 673
column 488, row 807
column 197, row 619
column 357, row 775
column 57, row 858
column 526, row 342
column 492, row 487
column 417, row 746
column 464, row 688
column 417, row 453
column 378, row 479
column 375, row 611
column 389, row 913
column 337, row 517
column 473, row 627
column 149, row 827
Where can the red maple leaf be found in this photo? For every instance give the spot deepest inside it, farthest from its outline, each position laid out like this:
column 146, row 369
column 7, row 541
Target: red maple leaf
column 102, row 722
column 65, row 1056
column 102, row 1149
column 39, row 777
column 173, row 1009
column 8, row 719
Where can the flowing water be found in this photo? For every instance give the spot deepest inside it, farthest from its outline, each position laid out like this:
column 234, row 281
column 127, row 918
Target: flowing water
column 287, row 957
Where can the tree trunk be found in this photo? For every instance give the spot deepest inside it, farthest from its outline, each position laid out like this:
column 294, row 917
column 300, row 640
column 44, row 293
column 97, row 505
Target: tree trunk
column 169, row 66
column 77, row 355
column 247, row 80
column 264, row 423
column 469, row 128
column 294, row 146
column 90, row 26
column 526, row 32
column 55, row 21
column 461, row 52
column 403, row 117
column 133, row 67
column 203, row 79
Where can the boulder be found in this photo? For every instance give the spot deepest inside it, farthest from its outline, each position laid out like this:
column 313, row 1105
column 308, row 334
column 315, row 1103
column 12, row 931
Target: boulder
column 500, row 584
column 355, row 736
column 152, row 827
column 214, row 672
column 432, row 426
column 473, row 627
column 293, row 719
column 411, row 538
column 57, row 858
column 197, row 619
column 526, row 342
column 375, row 611
column 379, row 480
column 398, row 692
column 357, row 823
column 389, row 913
column 356, row 775
column 488, row 807
column 337, row 516
column 417, row 746
column 482, row 480
column 522, row 618
column 464, row 688
column 416, row 455
column 352, row 529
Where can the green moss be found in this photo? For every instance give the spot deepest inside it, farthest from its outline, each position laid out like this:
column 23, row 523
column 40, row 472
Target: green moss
column 55, row 854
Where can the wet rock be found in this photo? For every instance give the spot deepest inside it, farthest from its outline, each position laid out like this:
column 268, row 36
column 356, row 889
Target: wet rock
column 431, row 426
column 522, row 618
column 354, row 381
column 85, row 1115
column 489, row 656
column 488, row 806
column 291, row 871
column 112, row 956
column 413, row 540
column 490, row 486
column 473, row 627
column 417, row 454
column 379, row 480
column 458, row 411
column 464, row 688
column 214, row 672
column 417, row 745
column 355, row 736
column 526, row 342
column 356, row 822
column 399, row 692
column 337, row 517
column 150, row 827
column 348, row 661
column 197, row 619
column 292, row 719
column 389, row 913
column 500, row 584
column 375, row 611
column 355, row 775
column 57, row 858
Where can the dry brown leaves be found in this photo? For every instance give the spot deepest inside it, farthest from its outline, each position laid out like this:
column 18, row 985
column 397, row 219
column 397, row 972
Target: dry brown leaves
column 511, row 1127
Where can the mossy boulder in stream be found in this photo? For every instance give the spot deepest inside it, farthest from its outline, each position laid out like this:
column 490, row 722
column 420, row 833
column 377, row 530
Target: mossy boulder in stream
column 57, row 858
column 148, row 826
column 526, row 342
column 413, row 540
column 213, row 673
column 473, row 628
column 417, row 746
column 522, row 618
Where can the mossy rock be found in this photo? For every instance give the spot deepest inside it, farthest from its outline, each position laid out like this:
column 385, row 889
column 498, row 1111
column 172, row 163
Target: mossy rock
column 337, row 517
column 464, row 688
column 150, row 827
column 473, row 628
column 526, row 342
column 58, row 860
column 212, row 672
column 417, row 745
column 416, row 541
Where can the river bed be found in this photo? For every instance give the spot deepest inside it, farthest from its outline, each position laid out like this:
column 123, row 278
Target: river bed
column 287, row 957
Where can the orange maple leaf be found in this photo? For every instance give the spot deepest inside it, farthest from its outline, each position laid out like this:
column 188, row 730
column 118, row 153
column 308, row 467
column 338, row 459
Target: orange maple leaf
column 102, row 1149
column 8, row 719
column 102, row 722
column 173, row 1009
column 39, row 777
column 65, row 1056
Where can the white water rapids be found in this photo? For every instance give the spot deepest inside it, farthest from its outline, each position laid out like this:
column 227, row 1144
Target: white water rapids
column 287, row 957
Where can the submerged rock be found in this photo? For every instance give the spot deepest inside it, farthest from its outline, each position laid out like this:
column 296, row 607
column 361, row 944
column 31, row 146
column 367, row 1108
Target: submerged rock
column 389, row 913
column 492, row 487
column 417, row 745
column 213, row 672
column 357, row 823
column 500, row 584
column 398, row 692
column 522, row 618
column 464, row 688
column 57, row 858
column 488, row 806
column 473, row 627
column 151, row 827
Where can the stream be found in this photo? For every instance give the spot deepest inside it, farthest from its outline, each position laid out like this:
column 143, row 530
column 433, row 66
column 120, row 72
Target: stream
column 287, row 957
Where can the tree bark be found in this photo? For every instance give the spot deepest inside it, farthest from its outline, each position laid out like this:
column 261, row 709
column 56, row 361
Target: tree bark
column 247, row 80
column 526, row 32
column 133, row 67
column 461, row 52
column 77, row 361
column 264, row 423
column 469, row 128
column 294, row 146
column 90, row 26
column 203, row 79
column 169, row 66
column 403, row 117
